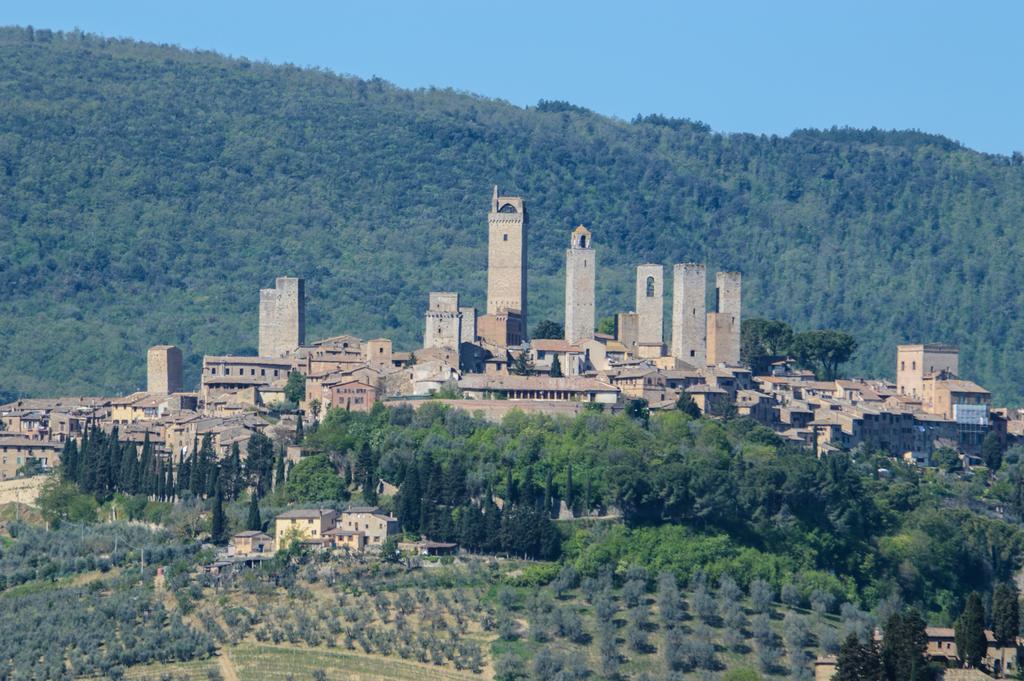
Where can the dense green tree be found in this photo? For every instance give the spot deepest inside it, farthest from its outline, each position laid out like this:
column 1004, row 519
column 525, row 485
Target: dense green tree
column 219, row 522
column 295, row 388
column 971, row 643
column 521, row 364
column 823, row 351
column 859, row 661
column 556, row 368
column 763, row 341
column 314, row 479
column 254, row 521
column 903, row 647
column 992, row 451
column 686, row 405
column 548, row 329
column 1006, row 612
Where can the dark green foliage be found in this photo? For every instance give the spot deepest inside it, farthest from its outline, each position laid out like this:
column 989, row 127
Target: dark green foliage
column 762, row 341
column 234, row 157
column 521, row 364
column 219, row 522
column 314, row 479
column 823, row 351
column 1006, row 612
column 548, row 329
column 556, row 368
column 903, row 647
column 859, row 661
column 686, row 405
column 254, row 521
column 295, row 388
column 992, row 451
column 971, row 643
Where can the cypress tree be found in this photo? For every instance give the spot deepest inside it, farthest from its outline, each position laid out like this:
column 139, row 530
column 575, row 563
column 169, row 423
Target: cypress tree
column 195, row 483
column 169, row 489
column 570, row 496
column 1006, row 613
column 183, row 475
column 971, row 644
column 299, row 431
column 69, row 461
column 127, row 473
column 158, row 488
column 218, row 533
column 549, row 493
column 279, row 476
column 232, row 476
column 255, row 522
column 903, row 647
column 146, row 478
column 408, row 502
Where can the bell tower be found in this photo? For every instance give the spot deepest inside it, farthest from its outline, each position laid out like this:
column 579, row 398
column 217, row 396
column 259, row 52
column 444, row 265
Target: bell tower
column 506, row 256
column 580, row 266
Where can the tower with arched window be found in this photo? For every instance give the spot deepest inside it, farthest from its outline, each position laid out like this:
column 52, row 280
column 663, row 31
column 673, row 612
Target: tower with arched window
column 580, row 266
column 506, row 257
column 650, row 306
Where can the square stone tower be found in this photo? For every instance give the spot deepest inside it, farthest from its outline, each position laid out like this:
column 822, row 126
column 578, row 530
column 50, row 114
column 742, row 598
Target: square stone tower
column 468, row 324
column 580, row 267
column 915, row 362
column 506, row 256
column 443, row 327
column 650, row 293
column 282, row 317
column 724, row 324
column 163, row 370
column 689, row 313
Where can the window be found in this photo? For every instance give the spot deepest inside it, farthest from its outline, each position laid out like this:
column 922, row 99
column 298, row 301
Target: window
column 693, row 353
column 650, row 287
column 263, row 372
column 504, row 237
column 213, row 370
column 252, row 372
column 913, row 366
column 227, row 371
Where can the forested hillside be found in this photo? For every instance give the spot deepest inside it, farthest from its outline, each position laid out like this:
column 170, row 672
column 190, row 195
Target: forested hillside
column 146, row 193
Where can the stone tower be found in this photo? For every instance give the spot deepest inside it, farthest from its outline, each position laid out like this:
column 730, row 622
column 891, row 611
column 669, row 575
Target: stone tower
column 650, row 293
column 163, row 370
column 580, row 266
column 724, row 323
column 506, row 256
column 689, row 313
column 282, row 317
column 443, row 327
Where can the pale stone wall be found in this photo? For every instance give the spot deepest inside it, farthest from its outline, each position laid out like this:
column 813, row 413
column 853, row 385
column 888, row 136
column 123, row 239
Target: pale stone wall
column 580, row 268
column 627, row 331
column 443, row 327
column 727, row 287
column 506, row 256
column 22, row 490
column 689, row 313
column 282, row 317
column 378, row 353
column 163, row 370
column 723, row 344
column 650, row 293
column 468, row 324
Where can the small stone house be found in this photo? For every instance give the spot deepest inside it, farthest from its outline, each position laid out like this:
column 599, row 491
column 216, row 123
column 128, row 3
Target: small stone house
column 252, row 541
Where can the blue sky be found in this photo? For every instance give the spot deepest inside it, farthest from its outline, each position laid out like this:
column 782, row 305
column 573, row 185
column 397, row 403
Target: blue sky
column 953, row 68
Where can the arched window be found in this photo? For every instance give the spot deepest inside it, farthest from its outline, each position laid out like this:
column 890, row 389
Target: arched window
column 507, row 208
column 583, row 241
column 650, row 287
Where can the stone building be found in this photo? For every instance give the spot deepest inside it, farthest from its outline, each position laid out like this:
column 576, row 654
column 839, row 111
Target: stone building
column 916, row 362
column 163, row 370
column 580, row 268
column 723, row 325
column 689, row 313
column 506, row 257
column 650, row 291
column 443, row 327
column 282, row 317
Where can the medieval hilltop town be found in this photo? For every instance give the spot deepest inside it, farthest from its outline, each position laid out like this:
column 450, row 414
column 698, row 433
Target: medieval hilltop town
column 486, row 364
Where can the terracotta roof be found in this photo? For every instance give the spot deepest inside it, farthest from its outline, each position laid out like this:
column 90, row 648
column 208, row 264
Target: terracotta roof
column 961, row 386
column 306, row 513
column 553, row 345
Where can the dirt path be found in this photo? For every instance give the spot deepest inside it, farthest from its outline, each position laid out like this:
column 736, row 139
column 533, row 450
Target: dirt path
column 227, row 667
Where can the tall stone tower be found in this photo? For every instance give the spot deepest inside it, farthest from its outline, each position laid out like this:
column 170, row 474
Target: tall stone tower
column 689, row 313
column 163, row 370
column 650, row 291
column 282, row 317
column 580, row 266
column 506, row 256
column 443, row 327
column 724, row 323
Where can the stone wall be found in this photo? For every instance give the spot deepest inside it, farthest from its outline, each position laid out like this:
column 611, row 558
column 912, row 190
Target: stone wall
column 442, row 324
column 22, row 490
